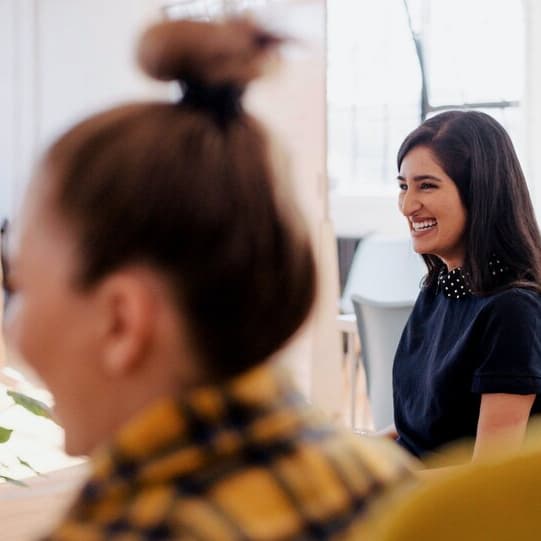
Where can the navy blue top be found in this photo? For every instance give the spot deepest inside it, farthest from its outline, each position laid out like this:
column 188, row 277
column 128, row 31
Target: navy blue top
column 453, row 350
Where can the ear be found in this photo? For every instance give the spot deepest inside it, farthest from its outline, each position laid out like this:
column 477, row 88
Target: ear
column 127, row 308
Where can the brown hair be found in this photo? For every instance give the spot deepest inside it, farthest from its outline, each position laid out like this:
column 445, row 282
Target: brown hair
column 192, row 193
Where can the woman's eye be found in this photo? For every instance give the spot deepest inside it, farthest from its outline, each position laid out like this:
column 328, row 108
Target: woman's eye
column 426, row 186
column 403, row 187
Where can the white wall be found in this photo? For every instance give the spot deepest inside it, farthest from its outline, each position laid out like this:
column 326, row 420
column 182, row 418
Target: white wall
column 358, row 215
column 17, row 138
column 293, row 104
column 7, row 108
column 63, row 59
column 86, row 58
column 533, row 100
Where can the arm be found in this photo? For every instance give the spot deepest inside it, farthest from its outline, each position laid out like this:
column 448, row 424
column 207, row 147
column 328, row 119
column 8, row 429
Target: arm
column 502, row 422
column 509, row 373
column 387, row 432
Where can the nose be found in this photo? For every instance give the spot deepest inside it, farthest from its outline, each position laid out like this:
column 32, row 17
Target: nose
column 409, row 203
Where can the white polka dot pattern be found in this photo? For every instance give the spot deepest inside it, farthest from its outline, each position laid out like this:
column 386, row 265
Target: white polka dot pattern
column 455, row 284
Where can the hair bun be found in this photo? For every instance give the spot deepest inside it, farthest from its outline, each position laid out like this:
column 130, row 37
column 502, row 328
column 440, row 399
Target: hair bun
column 232, row 52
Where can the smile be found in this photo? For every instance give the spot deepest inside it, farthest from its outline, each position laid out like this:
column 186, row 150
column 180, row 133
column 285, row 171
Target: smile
column 425, row 225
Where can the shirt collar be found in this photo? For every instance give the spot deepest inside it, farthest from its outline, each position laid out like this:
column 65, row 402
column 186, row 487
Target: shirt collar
column 455, row 284
column 211, row 422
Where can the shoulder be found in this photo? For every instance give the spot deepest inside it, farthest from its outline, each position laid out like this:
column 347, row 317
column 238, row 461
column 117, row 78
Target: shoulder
column 513, row 314
column 516, row 302
column 390, row 468
column 373, row 458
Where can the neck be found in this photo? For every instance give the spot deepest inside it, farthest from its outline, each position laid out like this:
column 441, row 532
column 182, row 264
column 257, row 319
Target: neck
column 452, row 264
column 162, row 374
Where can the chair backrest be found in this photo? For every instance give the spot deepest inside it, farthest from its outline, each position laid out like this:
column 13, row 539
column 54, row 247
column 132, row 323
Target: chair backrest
column 385, row 269
column 496, row 500
column 380, row 326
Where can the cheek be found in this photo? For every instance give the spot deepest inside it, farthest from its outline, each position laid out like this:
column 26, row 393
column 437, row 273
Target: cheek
column 454, row 218
column 30, row 331
column 48, row 335
column 460, row 224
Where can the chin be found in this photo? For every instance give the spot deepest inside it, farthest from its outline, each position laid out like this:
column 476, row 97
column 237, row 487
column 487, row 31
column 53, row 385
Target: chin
column 421, row 250
column 77, row 442
column 74, row 448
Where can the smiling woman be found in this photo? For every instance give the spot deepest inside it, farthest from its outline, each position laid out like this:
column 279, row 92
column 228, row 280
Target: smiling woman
column 469, row 361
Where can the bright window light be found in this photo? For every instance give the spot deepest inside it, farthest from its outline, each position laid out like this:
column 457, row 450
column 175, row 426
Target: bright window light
column 473, row 56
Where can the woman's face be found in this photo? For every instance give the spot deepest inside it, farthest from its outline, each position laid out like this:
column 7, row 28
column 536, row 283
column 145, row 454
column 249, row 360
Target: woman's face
column 49, row 321
column 430, row 201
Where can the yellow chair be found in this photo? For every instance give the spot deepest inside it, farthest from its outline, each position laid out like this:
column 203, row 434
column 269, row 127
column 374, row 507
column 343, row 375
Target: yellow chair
column 493, row 500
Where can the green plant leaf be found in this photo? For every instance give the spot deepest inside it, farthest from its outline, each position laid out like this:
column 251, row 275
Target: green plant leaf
column 5, row 434
column 13, row 481
column 29, row 466
column 31, row 404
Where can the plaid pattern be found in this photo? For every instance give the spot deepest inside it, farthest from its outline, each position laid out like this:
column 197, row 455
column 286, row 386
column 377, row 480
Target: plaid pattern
column 245, row 461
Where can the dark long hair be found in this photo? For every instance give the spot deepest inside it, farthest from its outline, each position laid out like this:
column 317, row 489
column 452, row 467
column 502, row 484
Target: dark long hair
column 189, row 188
column 476, row 152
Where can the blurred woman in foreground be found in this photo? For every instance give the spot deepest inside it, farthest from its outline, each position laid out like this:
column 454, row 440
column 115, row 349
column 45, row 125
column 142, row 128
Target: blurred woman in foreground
column 155, row 271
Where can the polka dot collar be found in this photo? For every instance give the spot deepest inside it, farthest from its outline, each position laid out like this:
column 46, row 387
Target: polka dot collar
column 455, row 284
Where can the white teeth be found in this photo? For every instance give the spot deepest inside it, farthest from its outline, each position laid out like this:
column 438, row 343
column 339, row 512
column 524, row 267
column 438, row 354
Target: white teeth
column 426, row 224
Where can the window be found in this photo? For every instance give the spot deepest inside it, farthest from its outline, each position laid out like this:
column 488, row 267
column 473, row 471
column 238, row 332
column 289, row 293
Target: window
column 394, row 62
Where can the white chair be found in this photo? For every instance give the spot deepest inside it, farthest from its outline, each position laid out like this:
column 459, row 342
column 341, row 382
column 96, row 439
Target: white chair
column 380, row 326
column 382, row 286
column 384, row 269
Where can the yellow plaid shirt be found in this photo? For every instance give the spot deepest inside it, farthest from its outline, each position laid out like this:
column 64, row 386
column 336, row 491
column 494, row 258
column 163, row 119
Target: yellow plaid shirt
column 248, row 460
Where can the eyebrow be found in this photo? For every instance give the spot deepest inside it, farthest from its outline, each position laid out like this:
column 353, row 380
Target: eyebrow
column 419, row 178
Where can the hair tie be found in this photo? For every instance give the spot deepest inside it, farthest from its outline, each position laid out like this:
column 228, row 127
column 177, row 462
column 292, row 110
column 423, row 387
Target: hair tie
column 223, row 101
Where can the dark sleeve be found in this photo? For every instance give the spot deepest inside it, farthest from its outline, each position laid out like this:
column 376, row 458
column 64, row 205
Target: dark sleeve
column 510, row 346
